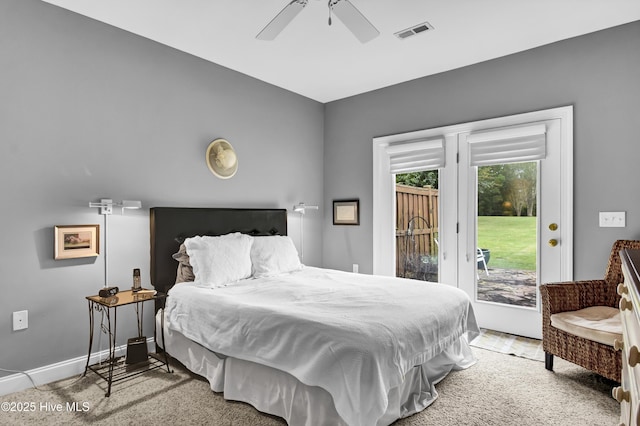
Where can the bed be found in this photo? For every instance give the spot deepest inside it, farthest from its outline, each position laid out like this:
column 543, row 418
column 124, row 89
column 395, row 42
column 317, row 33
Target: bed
column 313, row 346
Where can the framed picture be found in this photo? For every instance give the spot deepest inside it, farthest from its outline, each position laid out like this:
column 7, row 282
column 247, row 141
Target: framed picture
column 73, row 241
column 346, row 212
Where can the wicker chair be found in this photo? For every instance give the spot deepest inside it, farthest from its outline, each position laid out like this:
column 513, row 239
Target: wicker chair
column 572, row 296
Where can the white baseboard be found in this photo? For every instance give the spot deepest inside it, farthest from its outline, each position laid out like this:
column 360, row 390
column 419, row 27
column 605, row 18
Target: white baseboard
column 58, row 371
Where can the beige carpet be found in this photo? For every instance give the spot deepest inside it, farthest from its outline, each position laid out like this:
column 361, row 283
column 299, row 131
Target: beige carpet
column 499, row 390
column 509, row 344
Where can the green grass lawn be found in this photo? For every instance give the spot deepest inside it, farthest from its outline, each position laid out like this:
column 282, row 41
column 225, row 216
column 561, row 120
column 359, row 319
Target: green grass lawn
column 511, row 240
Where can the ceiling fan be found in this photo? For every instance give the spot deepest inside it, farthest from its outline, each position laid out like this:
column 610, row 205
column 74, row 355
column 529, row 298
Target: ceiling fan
column 343, row 9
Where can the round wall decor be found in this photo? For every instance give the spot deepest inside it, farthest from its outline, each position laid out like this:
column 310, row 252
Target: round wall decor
column 222, row 159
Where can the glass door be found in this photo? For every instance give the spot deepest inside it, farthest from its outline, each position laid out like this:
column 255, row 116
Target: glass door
column 417, row 225
column 509, row 235
column 506, row 230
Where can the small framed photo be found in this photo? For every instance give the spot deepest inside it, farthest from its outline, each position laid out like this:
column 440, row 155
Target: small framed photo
column 73, row 241
column 346, row 212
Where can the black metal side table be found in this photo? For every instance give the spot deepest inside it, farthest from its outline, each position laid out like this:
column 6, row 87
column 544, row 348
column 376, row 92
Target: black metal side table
column 114, row 369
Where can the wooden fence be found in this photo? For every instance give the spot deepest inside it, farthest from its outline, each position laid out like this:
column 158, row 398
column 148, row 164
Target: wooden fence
column 416, row 208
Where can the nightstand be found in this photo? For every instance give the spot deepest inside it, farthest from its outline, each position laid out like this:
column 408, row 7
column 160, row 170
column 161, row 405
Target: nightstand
column 114, row 368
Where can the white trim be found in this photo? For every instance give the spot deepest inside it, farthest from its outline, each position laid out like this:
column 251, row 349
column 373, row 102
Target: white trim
column 383, row 203
column 53, row 372
column 566, row 190
column 384, row 248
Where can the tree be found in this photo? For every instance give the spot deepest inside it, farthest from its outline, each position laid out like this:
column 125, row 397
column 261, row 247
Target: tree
column 517, row 194
column 491, row 180
column 419, row 179
column 521, row 186
column 530, row 173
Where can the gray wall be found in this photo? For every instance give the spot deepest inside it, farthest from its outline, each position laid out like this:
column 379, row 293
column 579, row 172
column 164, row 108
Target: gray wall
column 596, row 73
column 89, row 111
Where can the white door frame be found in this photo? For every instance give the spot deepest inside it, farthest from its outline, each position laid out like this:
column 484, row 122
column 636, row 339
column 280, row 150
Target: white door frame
column 384, row 190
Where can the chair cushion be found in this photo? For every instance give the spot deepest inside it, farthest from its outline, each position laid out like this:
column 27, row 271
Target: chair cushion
column 598, row 323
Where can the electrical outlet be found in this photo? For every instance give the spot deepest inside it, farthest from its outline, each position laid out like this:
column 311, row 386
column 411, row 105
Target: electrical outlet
column 355, row 268
column 612, row 220
column 20, row 320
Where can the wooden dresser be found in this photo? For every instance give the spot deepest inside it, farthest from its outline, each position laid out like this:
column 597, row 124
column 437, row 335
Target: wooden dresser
column 628, row 393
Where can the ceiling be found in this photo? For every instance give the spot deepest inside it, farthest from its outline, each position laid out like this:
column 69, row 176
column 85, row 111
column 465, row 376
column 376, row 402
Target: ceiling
column 326, row 63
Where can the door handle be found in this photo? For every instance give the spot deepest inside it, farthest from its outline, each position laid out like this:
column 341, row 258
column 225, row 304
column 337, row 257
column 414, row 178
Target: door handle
column 553, row 242
column 553, row 226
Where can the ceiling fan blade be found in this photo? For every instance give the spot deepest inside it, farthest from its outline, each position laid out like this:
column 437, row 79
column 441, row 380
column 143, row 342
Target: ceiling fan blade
column 354, row 21
column 281, row 20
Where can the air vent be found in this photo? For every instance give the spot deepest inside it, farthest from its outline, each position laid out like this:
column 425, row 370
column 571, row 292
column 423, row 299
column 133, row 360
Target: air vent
column 415, row 30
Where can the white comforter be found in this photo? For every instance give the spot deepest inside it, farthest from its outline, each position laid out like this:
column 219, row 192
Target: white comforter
column 353, row 335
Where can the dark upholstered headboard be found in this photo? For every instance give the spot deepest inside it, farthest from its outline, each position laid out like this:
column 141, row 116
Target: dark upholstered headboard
column 171, row 225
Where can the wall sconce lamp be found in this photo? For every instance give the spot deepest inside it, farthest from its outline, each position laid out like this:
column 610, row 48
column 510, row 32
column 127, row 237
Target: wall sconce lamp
column 106, row 206
column 302, row 209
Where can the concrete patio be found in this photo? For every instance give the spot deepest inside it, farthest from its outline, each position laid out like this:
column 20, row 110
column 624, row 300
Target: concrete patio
column 509, row 286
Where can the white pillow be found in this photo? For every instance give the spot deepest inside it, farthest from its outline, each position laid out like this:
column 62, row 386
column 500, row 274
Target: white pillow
column 274, row 255
column 218, row 261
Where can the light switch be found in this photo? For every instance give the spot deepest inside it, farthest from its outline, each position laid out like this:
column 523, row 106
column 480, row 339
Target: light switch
column 613, row 219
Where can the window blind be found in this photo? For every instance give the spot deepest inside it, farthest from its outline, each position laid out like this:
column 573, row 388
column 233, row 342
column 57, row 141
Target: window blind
column 507, row 145
column 416, row 155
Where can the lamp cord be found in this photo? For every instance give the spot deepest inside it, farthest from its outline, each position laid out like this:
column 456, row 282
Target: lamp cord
column 302, row 237
column 48, row 388
column 106, row 269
